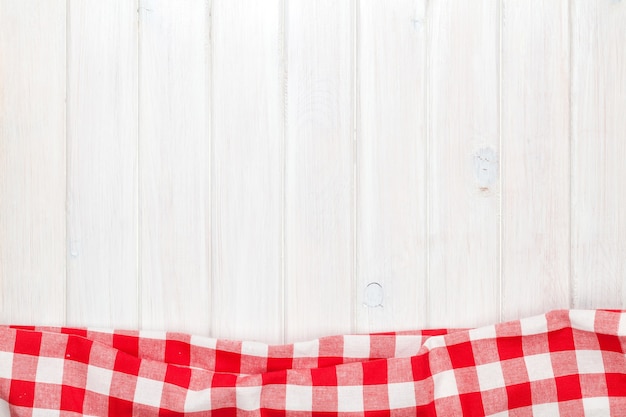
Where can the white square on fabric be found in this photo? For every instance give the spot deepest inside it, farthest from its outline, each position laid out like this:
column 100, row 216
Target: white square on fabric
column 309, row 349
column 539, row 367
column 490, row 376
column 152, row 334
column 254, row 349
column 534, row 325
column 583, row 319
column 99, row 379
column 49, row 370
column 589, row 362
column 548, row 409
column 401, row 395
column 407, row 346
column 350, row 398
column 6, row 365
column 198, row 400
column 621, row 328
column 201, row 341
column 487, row 332
column 148, row 392
column 445, row 384
column 41, row 412
column 596, row 407
column 248, row 398
column 356, row 346
column 298, row 397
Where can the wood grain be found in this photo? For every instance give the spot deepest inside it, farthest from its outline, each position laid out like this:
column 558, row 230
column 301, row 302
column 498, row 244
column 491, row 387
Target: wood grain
column 463, row 185
column 247, row 134
column 102, row 164
column 32, row 161
column 598, row 154
column 391, row 180
column 175, row 161
column 319, row 183
column 535, row 157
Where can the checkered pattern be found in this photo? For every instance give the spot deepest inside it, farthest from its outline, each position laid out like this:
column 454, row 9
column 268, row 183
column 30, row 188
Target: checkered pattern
column 567, row 362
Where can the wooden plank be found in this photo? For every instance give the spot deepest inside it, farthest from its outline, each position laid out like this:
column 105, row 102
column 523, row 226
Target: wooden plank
column 535, row 161
column 102, row 164
column 175, row 165
column 598, row 154
column 391, row 152
column 247, row 135
column 32, row 161
column 319, row 187
column 463, row 184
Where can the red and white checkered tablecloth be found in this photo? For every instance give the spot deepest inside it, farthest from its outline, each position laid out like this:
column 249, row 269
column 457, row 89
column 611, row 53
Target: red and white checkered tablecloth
column 566, row 362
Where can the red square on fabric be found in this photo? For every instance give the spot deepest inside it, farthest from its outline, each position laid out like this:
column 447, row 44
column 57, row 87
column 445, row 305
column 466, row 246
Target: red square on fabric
column 278, row 377
column 224, row 412
column 568, row 387
column 426, row 410
column 22, row 327
column 27, row 343
column 22, row 393
column 609, row 343
column 169, row 413
column 616, row 385
column 223, row 380
column 178, row 375
column 421, row 367
column 519, row 395
column 119, row 407
column 278, row 364
column 227, row 361
column 559, row 340
column 128, row 344
column 177, row 352
column 329, row 361
column 472, row 404
column 74, row 331
column 510, row 347
column 324, row 377
column 127, row 364
column 461, row 355
column 378, row 413
column 72, row 399
column 78, row 349
column 375, row 372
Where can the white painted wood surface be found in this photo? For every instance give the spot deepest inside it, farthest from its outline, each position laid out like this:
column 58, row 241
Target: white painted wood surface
column 535, row 157
column 102, row 163
column 463, row 276
column 319, row 173
column 175, row 165
column 391, row 165
column 247, row 138
column 32, row 161
column 246, row 169
column 598, row 154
